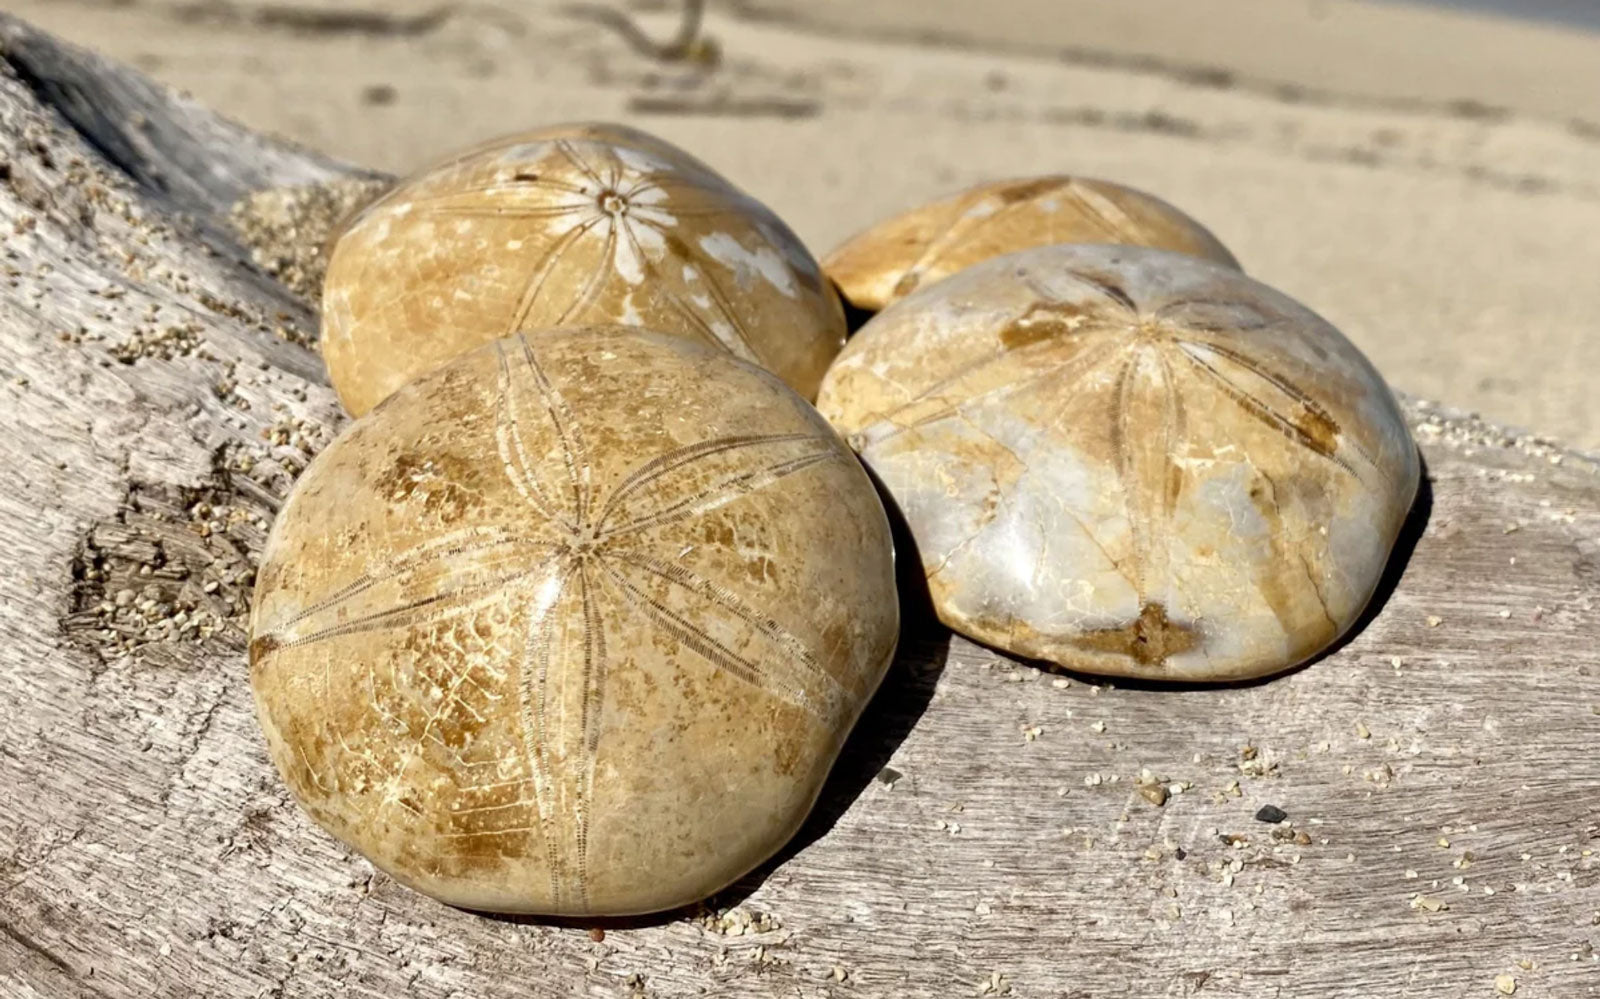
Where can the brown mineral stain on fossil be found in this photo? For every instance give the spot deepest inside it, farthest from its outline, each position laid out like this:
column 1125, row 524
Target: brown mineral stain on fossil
column 1147, row 640
column 434, row 482
column 615, row 680
column 898, row 255
column 1208, row 478
column 566, row 226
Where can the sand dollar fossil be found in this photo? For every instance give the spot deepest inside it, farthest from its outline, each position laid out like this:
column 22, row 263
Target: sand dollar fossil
column 574, row 624
column 566, row 226
column 915, row 248
column 1130, row 462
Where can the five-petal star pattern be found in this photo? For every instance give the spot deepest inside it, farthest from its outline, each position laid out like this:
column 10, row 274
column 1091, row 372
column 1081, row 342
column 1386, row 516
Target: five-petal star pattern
column 614, row 211
column 1151, row 358
column 1097, row 214
column 588, row 564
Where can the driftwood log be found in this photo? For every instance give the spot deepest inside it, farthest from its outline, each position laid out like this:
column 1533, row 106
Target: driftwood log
column 991, row 829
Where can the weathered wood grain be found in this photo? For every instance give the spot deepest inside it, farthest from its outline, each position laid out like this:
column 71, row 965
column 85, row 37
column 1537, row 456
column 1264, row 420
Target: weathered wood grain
column 986, row 832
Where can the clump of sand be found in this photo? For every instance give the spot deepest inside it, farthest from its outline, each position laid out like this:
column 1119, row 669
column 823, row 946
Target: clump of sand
column 289, row 230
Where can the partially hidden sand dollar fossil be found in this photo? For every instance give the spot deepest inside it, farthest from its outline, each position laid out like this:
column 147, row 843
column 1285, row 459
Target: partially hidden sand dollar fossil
column 918, row 247
column 566, row 226
column 1130, row 462
column 575, row 624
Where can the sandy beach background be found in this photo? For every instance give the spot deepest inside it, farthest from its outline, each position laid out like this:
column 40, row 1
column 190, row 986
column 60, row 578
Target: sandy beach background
column 1426, row 177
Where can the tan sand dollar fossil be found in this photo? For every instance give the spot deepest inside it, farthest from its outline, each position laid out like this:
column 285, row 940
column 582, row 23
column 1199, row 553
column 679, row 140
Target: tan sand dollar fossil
column 568, row 225
column 574, row 624
column 915, row 248
column 1130, row 462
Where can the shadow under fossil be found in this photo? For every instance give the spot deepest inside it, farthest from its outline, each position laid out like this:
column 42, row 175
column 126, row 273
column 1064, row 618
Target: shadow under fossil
column 889, row 717
column 855, row 317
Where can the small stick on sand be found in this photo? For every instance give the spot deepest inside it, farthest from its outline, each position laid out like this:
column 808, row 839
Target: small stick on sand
column 688, row 45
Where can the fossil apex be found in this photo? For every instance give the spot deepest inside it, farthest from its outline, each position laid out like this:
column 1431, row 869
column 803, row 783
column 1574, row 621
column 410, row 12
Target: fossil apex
column 569, row 225
column 1130, row 462
column 916, row 248
column 575, row 624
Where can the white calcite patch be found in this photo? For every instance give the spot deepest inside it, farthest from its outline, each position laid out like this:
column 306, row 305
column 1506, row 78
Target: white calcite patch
column 763, row 260
column 630, row 313
column 641, row 162
column 626, row 258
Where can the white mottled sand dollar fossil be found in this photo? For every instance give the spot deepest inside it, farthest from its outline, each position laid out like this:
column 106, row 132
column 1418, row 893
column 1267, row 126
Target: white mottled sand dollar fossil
column 900, row 254
column 1130, row 462
column 569, row 225
column 575, row 624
